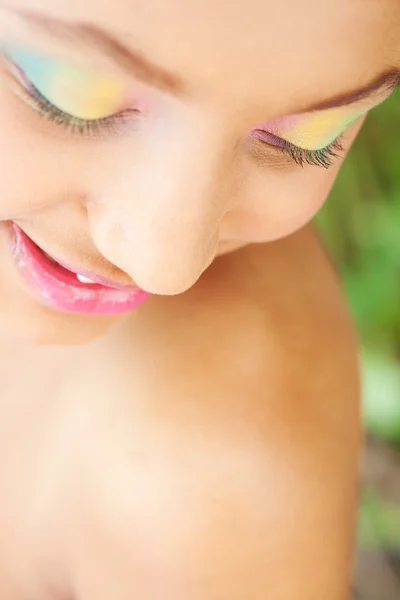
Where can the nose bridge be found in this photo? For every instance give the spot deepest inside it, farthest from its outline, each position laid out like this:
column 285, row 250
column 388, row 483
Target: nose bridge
column 159, row 219
column 183, row 181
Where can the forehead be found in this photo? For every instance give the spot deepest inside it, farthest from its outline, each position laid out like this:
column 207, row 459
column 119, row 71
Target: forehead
column 252, row 48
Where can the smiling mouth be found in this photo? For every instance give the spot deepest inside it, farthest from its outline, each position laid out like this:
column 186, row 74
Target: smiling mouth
column 66, row 289
column 84, row 276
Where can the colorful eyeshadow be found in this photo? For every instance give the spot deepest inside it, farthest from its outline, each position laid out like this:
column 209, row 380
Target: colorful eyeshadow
column 314, row 131
column 89, row 96
column 80, row 93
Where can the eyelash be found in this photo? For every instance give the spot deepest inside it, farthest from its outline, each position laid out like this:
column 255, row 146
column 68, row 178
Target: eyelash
column 324, row 157
column 85, row 128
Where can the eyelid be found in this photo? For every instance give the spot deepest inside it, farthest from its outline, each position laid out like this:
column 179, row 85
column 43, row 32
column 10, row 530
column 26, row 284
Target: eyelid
column 312, row 131
column 360, row 108
column 101, row 129
column 325, row 157
column 115, row 125
column 74, row 90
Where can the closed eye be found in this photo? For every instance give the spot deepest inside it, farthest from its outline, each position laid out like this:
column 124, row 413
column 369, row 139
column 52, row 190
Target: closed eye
column 324, row 157
column 88, row 128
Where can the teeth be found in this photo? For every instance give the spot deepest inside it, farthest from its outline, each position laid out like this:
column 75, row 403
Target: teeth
column 84, row 279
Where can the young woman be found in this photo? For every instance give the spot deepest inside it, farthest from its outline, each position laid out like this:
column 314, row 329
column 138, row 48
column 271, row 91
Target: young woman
column 179, row 389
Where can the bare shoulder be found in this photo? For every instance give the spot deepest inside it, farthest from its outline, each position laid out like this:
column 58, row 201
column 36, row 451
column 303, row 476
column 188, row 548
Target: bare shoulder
column 268, row 313
column 241, row 448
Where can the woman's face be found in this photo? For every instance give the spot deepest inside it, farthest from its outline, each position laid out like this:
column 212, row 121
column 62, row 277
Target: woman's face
column 140, row 139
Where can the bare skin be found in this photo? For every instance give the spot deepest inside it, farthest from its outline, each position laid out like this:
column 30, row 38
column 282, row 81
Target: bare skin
column 206, row 445
column 212, row 461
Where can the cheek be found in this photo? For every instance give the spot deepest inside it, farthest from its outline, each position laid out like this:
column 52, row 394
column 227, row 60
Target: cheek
column 277, row 203
column 23, row 174
column 35, row 171
column 14, row 158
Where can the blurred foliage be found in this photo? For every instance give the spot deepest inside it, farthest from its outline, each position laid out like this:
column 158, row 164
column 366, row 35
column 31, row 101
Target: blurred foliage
column 361, row 224
column 382, row 397
column 379, row 522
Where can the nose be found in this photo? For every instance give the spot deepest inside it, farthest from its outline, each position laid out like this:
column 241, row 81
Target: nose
column 158, row 213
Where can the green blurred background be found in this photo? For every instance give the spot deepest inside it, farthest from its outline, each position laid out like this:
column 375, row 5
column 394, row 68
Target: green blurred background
column 361, row 224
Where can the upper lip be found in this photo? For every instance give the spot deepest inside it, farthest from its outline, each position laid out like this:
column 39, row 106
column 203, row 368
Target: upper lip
column 96, row 276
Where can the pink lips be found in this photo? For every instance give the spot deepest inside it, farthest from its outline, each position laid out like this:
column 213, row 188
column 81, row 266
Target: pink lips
column 58, row 285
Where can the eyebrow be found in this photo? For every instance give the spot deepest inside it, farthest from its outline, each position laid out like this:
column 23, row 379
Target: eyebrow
column 134, row 62
column 389, row 80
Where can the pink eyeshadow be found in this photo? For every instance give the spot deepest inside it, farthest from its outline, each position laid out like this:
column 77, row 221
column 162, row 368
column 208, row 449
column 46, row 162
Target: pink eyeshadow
column 282, row 124
column 133, row 100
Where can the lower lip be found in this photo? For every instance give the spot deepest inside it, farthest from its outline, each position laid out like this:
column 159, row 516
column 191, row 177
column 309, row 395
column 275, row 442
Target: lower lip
column 60, row 288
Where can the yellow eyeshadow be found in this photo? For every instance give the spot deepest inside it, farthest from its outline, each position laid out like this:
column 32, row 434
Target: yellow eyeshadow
column 82, row 94
column 318, row 130
column 86, row 96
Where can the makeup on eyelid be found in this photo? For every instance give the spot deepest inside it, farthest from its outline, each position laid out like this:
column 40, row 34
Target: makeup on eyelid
column 84, row 94
column 90, row 96
column 313, row 131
